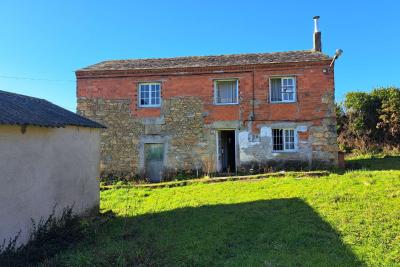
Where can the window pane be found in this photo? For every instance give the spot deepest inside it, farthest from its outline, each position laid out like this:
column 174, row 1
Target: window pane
column 287, row 88
column 149, row 94
column 276, row 90
column 226, row 91
column 285, row 96
column 289, row 139
column 277, row 139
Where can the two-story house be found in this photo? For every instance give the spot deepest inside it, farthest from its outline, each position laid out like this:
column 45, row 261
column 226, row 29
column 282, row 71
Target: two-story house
column 212, row 113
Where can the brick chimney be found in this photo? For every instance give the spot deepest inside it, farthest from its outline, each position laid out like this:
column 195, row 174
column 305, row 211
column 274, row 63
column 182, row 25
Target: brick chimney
column 317, row 36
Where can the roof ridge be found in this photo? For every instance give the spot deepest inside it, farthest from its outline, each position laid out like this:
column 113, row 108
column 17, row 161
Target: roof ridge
column 21, row 95
column 293, row 56
column 212, row 55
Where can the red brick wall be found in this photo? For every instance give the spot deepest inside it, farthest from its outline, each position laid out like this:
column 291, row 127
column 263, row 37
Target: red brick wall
column 311, row 84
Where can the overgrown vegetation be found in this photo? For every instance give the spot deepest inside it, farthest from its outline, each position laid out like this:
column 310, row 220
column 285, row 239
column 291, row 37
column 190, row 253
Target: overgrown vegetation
column 370, row 122
column 47, row 238
column 349, row 219
column 373, row 162
column 250, row 168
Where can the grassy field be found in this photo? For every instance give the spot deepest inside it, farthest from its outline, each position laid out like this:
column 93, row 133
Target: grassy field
column 349, row 219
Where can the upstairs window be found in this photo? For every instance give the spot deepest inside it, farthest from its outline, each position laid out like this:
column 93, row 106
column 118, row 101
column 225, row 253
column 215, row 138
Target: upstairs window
column 283, row 140
column 149, row 94
column 283, row 89
column 226, row 92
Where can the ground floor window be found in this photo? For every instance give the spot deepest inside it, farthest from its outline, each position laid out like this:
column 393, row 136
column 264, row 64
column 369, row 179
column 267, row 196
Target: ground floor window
column 283, row 139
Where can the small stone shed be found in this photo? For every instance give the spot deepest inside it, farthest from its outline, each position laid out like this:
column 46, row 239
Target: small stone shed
column 49, row 159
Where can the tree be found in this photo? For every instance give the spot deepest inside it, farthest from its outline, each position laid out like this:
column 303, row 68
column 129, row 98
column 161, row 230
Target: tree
column 389, row 115
column 368, row 121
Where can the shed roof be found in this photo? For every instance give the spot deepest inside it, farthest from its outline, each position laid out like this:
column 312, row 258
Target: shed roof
column 209, row 61
column 16, row 109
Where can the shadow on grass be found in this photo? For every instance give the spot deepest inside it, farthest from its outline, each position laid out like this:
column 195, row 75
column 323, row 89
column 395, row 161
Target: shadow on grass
column 384, row 163
column 280, row 232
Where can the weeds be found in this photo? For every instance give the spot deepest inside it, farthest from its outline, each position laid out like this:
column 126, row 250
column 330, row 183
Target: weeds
column 47, row 238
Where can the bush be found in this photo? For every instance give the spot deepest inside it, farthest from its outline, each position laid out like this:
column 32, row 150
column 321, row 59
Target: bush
column 369, row 122
column 46, row 239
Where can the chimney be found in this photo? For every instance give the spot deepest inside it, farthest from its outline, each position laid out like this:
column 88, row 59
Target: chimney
column 317, row 36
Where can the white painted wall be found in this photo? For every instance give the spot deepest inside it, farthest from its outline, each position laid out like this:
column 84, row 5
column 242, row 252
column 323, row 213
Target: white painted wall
column 44, row 167
column 261, row 149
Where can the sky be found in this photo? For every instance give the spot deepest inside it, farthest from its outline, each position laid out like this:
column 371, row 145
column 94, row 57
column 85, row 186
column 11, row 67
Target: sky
column 42, row 43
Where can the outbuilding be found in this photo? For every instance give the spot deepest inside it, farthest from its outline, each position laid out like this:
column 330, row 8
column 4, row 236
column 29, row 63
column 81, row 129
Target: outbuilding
column 49, row 160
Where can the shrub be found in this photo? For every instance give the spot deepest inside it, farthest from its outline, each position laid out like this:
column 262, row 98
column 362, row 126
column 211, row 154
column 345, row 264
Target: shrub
column 369, row 122
column 46, row 239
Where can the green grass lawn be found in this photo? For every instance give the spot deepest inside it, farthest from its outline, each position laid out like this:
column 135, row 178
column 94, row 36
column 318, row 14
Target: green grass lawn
column 375, row 162
column 349, row 219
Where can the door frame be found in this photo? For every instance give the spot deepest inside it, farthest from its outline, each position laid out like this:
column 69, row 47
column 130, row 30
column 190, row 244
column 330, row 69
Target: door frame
column 218, row 144
column 151, row 139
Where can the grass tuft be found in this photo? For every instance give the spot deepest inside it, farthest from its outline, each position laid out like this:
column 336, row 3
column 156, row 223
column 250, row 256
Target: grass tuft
column 350, row 219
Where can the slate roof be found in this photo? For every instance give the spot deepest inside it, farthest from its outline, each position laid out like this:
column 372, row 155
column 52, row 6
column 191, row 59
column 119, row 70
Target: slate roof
column 208, row 61
column 16, row 109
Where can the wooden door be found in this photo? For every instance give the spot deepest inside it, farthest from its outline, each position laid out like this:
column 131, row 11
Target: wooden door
column 154, row 163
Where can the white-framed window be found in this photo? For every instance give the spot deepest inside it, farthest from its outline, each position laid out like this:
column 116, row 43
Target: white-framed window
column 149, row 94
column 283, row 140
column 282, row 89
column 226, row 92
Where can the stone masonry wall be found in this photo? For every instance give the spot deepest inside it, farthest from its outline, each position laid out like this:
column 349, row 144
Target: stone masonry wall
column 119, row 142
column 323, row 137
column 188, row 119
column 181, row 122
column 184, row 124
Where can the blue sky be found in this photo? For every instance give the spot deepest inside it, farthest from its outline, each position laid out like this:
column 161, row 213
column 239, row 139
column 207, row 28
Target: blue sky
column 42, row 43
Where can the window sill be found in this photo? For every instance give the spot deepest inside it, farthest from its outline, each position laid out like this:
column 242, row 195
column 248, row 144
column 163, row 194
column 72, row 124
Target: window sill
column 225, row 104
column 143, row 107
column 282, row 102
column 285, row 151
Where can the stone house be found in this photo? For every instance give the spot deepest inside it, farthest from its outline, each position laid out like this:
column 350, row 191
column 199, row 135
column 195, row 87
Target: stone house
column 214, row 113
column 49, row 160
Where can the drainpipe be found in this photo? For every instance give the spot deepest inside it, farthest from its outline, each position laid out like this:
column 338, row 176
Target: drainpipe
column 253, row 116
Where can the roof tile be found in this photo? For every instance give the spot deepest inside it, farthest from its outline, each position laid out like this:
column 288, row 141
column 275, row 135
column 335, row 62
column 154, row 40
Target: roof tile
column 16, row 109
column 208, row 61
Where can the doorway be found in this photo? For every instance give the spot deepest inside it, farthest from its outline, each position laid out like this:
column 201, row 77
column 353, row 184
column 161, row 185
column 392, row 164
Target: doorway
column 154, row 161
column 227, row 151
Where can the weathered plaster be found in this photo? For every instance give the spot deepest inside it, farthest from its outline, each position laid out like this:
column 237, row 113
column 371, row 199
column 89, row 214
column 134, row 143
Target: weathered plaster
column 46, row 168
column 261, row 149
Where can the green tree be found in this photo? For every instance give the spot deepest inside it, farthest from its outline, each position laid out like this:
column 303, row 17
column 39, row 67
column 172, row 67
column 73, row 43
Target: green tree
column 389, row 115
column 361, row 110
column 368, row 121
